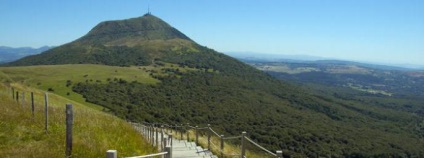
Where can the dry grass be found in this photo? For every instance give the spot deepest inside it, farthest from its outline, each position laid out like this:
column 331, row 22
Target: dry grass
column 95, row 132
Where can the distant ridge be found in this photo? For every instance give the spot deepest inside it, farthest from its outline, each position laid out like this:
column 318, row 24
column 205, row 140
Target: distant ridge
column 266, row 57
column 8, row 54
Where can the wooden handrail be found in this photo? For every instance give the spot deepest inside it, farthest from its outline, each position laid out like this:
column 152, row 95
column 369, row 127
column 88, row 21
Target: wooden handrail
column 150, row 155
column 243, row 137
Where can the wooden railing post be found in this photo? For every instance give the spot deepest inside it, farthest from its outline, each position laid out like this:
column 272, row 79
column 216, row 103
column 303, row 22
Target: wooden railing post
column 69, row 122
column 188, row 137
column 170, row 139
column 197, row 135
column 222, row 145
column 111, row 154
column 209, row 137
column 181, row 131
column 279, row 154
column 157, row 137
column 164, row 143
column 243, row 146
column 143, row 129
column 152, row 140
column 151, row 134
column 13, row 93
column 162, row 138
column 169, row 150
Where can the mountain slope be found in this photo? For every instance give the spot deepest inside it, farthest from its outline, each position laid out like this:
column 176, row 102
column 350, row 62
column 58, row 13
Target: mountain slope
column 139, row 29
column 135, row 41
column 228, row 94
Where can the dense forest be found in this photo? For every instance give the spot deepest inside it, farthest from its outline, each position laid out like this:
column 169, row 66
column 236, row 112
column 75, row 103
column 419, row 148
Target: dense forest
column 301, row 125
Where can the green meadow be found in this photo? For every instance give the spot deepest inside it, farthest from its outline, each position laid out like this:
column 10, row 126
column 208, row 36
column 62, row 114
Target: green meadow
column 59, row 79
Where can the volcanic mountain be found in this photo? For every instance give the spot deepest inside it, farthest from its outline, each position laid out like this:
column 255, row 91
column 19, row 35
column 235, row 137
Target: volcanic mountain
column 201, row 86
column 135, row 41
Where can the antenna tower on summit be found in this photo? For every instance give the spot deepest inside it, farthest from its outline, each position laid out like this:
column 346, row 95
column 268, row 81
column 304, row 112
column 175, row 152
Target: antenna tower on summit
column 148, row 9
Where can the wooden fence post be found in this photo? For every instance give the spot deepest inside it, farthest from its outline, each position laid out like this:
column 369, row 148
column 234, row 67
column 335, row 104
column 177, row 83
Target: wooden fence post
column 23, row 99
column 243, row 145
column 111, row 154
column 46, row 111
column 222, row 145
column 197, row 134
column 279, row 154
column 209, row 137
column 13, row 93
column 17, row 96
column 32, row 104
column 69, row 123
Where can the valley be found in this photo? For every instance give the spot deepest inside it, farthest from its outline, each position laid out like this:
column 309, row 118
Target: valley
column 384, row 81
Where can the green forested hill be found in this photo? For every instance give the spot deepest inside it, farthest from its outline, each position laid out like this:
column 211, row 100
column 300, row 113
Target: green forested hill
column 228, row 94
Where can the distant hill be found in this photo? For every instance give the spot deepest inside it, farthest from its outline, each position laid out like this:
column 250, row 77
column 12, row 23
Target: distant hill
column 197, row 85
column 267, row 57
column 380, row 79
column 8, row 54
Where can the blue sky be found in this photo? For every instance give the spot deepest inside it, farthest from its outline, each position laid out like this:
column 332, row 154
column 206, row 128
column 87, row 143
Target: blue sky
column 384, row 31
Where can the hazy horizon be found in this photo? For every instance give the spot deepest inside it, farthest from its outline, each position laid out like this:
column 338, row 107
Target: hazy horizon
column 373, row 31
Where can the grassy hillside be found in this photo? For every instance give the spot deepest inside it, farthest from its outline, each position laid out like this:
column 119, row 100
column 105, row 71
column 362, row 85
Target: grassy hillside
column 60, row 78
column 299, row 124
column 95, row 132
